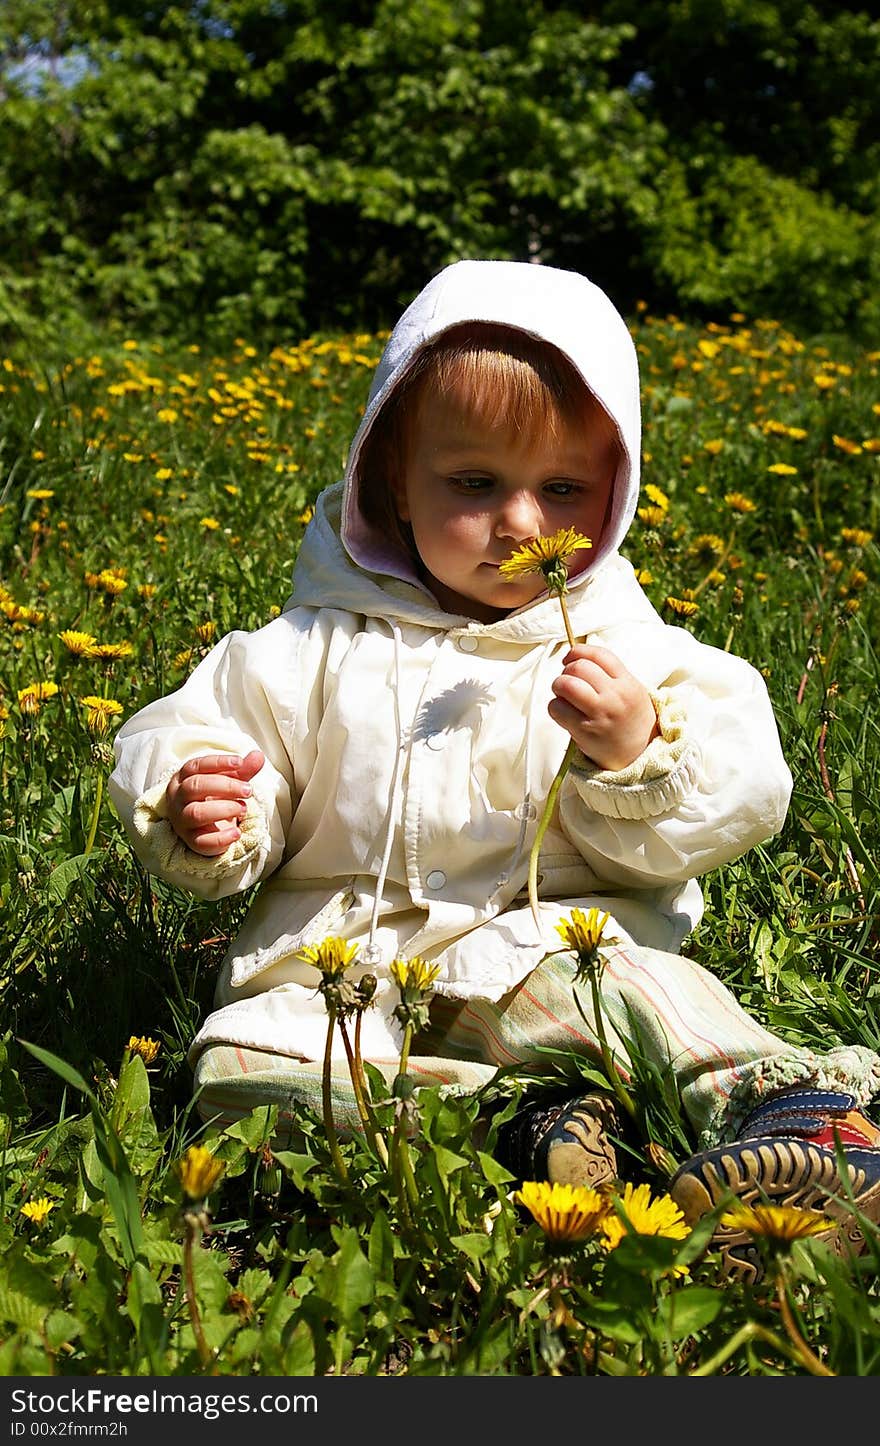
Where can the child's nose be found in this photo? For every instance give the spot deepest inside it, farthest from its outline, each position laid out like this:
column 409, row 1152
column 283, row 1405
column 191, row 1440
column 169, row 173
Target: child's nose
column 519, row 518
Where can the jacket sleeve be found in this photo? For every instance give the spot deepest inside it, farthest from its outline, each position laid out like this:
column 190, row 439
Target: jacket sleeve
column 240, row 697
column 710, row 787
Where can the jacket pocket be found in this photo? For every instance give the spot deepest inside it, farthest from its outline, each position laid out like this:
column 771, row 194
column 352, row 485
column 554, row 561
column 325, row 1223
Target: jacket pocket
column 321, row 917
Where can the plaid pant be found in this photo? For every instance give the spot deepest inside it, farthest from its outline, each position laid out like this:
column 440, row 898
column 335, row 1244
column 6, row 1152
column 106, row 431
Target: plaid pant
column 678, row 1015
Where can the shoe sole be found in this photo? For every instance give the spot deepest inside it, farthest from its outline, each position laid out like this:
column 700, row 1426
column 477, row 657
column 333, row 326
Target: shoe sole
column 772, row 1171
column 579, row 1151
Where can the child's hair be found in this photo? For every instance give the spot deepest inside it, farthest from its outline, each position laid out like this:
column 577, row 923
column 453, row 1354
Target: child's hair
column 500, row 376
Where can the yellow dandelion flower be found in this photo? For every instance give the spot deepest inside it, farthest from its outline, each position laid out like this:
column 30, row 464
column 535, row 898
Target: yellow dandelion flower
column 548, row 555
column 782, row 469
column 824, row 382
column 130, row 345
column 845, row 445
column 99, row 711
column 564, row 1212
column 144, row 1046
column 210, row 523
column 306, row 516
column 111, row 582
column 682, row 607
column 644, row 576
column 738, row 502
column 657, row 496
column 111, row 652
column 30, row 698
column 858, row 579
column 774, row 1222
column 707, row 545
column 147, row 590
column 331, row 957
column 709, row 349
column 199, row 1172
column 167, row 414
column 205, row 632
column 76, row 642
column 132, row 456
column 38, row 1211
column 645, row 1216
column 871, row 444
column 183, row 658
column 582, row 933
column 41, row 494
column 714, row 446
column 163, row 474
column 652, row 516
column 231, row 489
column 413, row 973
column 852, row 606
column 857, row 536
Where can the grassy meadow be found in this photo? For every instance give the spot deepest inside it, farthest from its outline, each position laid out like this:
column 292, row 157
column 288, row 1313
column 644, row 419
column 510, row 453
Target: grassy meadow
column 152, row 499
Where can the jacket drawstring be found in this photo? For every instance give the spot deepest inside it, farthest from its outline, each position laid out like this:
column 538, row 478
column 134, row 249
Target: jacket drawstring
column 371, row 953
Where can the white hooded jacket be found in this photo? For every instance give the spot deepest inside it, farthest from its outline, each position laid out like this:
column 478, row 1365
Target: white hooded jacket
column 409, row 752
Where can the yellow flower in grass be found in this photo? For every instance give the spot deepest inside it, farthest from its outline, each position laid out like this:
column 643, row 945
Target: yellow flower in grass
column 38, row 1211
column 30, row 698
column 657, row 496
column 707, row 545
column 332, row 956
column 41, row 494
column 713, row 446
column 145, row 1047
column 738, row 502
column 199, row 1172
column 644, row 576
column 845, row 445
column 413, row 974
column 856, row 536
column 583, row 933
column 652, row 516
column 99, row 711
column 111, row 652
column 564, row 1212
column 548, row 555
column 682, row 606
column 782, row 469
column 80, row 644
column 209, row 523
column 646, row 1216
column 779, row 1223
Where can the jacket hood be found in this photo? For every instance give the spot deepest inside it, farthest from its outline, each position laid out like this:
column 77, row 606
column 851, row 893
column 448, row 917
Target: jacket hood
column 559, row 307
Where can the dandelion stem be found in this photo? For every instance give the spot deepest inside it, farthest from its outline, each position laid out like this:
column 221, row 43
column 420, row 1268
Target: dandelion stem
column 190, row 1238
column 327, row 1101
column 806, row 1356
column 543, row 824
column 566, row 619
column 96, row 813
column 363, row 1107
column 704, row 581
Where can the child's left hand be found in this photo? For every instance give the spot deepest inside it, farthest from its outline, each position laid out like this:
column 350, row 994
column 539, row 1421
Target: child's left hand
column 607, row 711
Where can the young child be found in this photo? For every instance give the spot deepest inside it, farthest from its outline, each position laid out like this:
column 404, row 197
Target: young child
column 379, row 756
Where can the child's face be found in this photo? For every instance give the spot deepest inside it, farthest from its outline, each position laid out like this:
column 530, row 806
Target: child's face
column 472, row 496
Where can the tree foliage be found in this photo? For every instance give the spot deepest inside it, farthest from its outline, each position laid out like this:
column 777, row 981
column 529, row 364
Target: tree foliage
column 235, row 164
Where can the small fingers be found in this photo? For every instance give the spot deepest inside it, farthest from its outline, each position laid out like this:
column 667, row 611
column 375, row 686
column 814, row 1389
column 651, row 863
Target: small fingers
column 210, row 811
column 213, row 841
column 212, row 785
column 602, row 657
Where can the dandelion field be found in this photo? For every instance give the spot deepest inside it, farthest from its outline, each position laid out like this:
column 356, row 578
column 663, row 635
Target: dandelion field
column 152, row 499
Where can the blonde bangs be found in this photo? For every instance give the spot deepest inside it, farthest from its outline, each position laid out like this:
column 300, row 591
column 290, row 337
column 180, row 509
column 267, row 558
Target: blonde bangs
column 504, row 379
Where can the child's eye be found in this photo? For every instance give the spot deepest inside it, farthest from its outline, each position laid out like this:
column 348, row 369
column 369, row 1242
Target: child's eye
column 562, row 489
column 471, row 482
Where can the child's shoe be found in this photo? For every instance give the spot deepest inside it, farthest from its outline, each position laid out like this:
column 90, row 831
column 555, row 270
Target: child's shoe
column 565, row 1143
column 785, row 1154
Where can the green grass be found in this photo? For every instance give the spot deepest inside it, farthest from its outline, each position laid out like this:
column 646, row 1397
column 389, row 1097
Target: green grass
column 187, row 478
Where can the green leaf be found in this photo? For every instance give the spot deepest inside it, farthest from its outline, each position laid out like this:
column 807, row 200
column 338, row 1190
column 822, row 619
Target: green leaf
column 474, row 1245
column 494, row 1172
column 298, row 1354
column 689, row 1310
column 296, row 1166
column 71, row 872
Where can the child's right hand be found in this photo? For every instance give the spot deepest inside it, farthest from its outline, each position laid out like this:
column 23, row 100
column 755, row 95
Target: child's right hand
column 207, row 797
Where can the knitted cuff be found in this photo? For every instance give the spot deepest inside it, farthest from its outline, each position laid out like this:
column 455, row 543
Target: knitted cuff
column 168, row 854
column 655, row 781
